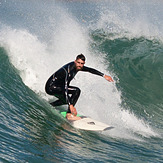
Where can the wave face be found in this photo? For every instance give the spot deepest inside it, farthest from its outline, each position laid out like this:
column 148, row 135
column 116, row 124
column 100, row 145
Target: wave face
column 124, row 39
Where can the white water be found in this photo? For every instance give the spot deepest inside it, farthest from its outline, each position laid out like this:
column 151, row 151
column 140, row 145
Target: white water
column 132, row 19
column 37, row 59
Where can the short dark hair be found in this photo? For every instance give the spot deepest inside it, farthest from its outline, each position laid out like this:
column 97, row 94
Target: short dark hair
column 81, row 56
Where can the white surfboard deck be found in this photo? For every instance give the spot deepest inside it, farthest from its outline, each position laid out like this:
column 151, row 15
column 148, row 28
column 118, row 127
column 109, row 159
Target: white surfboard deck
column 86, row 123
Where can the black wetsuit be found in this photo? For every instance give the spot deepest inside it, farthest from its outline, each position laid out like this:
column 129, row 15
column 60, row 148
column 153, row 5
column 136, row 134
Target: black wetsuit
column 59, row 84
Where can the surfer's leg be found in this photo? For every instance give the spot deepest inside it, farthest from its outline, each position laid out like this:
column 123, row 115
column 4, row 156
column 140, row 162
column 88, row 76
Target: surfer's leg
column 75, row 93
column 61, row 100
column 59, row 93
column 57, row 103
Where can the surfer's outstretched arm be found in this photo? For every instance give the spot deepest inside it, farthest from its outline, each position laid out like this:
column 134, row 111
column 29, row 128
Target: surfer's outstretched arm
column 96, row 72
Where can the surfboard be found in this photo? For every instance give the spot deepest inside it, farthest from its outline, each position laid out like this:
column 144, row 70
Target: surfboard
column 86, row 123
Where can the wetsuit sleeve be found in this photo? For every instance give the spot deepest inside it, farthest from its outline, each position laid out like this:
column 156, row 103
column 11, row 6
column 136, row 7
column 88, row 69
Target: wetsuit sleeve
column 93, row 71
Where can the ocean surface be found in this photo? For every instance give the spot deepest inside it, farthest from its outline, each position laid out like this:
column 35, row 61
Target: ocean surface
column 121, row 38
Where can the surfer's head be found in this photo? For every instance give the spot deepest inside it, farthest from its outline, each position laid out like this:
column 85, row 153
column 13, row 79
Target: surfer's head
column 80, row 61
column 81, row 56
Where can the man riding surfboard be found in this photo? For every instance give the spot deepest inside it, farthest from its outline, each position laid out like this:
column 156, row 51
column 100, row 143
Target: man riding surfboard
column 59, row 85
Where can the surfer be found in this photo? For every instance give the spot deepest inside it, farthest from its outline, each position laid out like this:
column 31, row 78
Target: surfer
column 59, row 85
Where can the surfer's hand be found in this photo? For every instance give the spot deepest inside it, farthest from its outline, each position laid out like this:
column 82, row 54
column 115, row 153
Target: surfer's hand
column 108, row 78
column 73, row 110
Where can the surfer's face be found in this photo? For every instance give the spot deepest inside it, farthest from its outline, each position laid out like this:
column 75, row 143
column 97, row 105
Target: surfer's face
column 79, row 64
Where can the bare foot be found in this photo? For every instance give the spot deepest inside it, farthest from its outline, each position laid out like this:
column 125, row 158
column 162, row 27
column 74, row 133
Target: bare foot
column 72, row 117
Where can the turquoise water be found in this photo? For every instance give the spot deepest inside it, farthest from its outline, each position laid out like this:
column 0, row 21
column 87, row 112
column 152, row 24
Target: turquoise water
column 123, row 39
